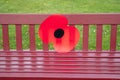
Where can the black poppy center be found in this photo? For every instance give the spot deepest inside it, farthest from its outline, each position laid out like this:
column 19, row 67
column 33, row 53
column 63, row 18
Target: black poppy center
column 59, row 33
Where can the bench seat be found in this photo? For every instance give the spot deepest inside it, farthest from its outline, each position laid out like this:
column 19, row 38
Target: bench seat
column 50, row 64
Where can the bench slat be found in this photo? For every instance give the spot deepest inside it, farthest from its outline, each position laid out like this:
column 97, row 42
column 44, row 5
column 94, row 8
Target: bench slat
column 48, row 76
column 63, row 60
column 45, row 47
column 32, row 36
column 85, row 37
column 5, row 34
column 113, row 36
column 18, row 36
column 72, row 37
column 65, row 65
column 32, row 41
column 72, row 18
column 19, row 42
column 99, row 37
column 69, row 72
column 61, row 68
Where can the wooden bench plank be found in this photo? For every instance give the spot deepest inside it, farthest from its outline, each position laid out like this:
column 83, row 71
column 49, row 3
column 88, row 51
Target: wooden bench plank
column 99, row 38
column 113, row 36
column 63, row 76
column 18, row 36
column 32, row 36
column 5, row 34
column 85, row 37
column 72, row 18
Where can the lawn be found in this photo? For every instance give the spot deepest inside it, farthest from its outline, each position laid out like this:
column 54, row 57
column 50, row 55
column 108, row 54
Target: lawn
column 61, row 7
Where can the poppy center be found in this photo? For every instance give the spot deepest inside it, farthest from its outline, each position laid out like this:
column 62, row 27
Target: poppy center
column 59, row 33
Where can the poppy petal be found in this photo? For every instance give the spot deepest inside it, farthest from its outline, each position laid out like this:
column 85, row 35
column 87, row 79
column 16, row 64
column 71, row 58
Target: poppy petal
column 50, row 25
column 68, row 41
column 55, row 30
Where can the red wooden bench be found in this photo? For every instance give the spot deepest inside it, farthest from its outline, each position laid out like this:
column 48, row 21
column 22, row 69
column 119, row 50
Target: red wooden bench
column 47, row 64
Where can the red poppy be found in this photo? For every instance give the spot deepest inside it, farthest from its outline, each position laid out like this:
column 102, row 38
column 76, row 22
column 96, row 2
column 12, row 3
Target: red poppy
column 55, row 30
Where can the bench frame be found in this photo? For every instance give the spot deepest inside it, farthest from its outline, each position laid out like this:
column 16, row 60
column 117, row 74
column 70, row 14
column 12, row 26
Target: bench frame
column 74, row 19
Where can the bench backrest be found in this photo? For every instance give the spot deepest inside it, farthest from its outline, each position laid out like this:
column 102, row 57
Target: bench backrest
column 74, row 19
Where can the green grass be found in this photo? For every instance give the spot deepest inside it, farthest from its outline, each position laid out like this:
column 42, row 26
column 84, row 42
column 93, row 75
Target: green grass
column 61, row 7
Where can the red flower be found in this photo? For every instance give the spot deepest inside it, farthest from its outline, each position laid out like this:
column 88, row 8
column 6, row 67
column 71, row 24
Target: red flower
column 55, row 30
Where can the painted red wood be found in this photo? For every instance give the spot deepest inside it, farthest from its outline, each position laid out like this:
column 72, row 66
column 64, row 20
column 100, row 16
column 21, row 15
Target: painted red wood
column 113, row 37
column 37, row 64
column 54, row 70
column 19, row 44
column 66, row 67
column 85, row 37
column 90, row 61
column 99, row 43
column 19, row 37
column 60, row 76
column 6, row 45
column 99, row 38
column 72, row 18
column 77, row 51
column 75, row 69
column 45, row 47
column 72, row 33
column 20, row 61
column 5, row 35
column 32, row 44
column 32, row 37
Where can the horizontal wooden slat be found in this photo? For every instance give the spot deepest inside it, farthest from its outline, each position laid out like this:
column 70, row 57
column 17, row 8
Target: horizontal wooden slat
column 90, row 64
column 60, row 56
column 5, row 35
column 77, row 72
column 51, row 51
column 72, row 18
column 60, row 76
column 54, row 76
column 55, row 68
column 60, row 71
column 88, row 61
